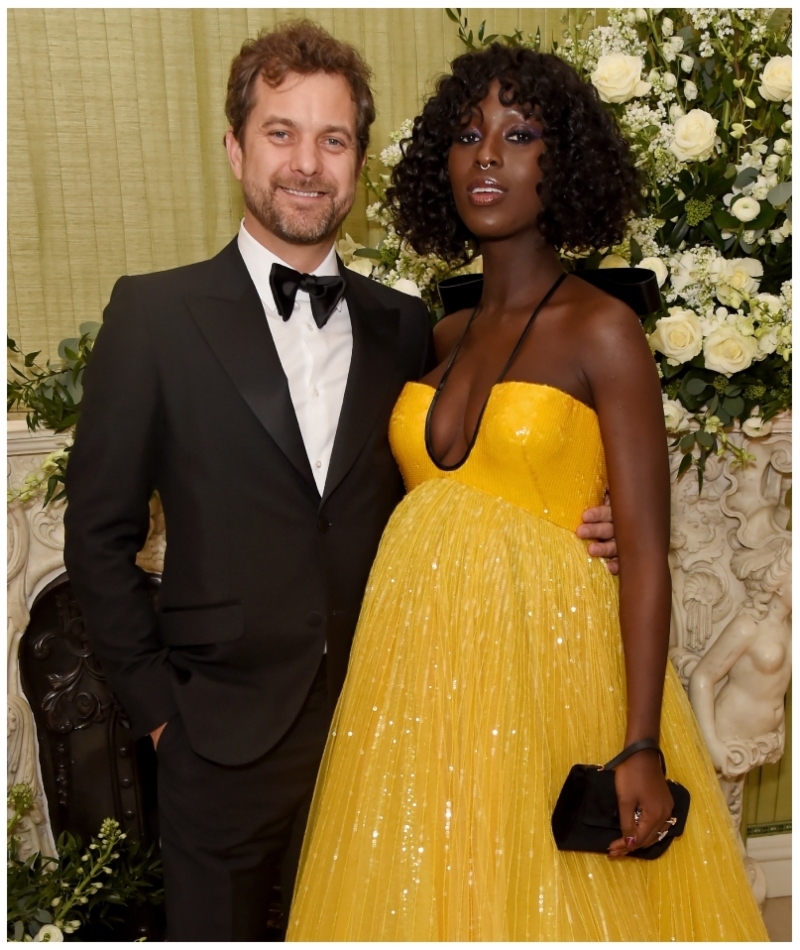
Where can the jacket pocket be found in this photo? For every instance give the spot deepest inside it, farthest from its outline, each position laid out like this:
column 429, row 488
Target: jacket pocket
column 197, row 626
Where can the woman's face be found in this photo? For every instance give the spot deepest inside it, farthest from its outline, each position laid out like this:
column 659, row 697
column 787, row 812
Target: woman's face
column 494, row 169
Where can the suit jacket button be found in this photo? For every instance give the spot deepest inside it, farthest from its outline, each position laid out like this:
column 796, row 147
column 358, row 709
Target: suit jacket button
column 323, row 525
column 314, row 619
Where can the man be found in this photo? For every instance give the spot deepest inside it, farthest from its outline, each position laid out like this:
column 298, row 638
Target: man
column 256, row 401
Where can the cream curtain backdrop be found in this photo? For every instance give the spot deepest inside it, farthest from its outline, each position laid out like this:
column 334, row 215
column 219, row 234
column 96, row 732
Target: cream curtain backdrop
column 115, row 126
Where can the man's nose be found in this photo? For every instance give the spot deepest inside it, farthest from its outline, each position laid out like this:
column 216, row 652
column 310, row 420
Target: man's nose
column 306, row 158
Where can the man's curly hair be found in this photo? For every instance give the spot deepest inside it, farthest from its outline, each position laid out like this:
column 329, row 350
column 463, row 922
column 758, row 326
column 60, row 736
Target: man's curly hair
column 589, row 183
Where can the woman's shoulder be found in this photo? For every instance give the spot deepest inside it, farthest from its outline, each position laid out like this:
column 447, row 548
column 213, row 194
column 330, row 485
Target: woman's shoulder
column 596, row 315
column 448, row 330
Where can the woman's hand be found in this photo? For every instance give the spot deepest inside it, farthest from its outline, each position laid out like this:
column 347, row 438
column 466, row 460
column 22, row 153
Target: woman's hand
column 641, row 787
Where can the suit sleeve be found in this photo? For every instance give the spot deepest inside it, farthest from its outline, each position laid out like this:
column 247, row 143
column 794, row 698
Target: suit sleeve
column 110, row 478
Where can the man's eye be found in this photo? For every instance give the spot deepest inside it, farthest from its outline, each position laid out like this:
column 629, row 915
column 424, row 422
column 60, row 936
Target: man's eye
column 334, row 143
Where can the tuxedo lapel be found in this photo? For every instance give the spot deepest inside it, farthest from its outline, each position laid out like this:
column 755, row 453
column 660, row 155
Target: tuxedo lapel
column 369, row 381
column 231, row 317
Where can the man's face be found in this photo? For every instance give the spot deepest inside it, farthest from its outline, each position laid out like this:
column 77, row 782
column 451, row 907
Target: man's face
column 298, row 160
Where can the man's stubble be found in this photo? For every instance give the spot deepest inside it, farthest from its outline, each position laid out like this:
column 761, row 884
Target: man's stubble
column 296, row 225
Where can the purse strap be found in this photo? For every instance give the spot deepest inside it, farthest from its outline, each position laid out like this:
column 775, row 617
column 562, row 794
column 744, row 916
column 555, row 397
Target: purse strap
column 638, row 746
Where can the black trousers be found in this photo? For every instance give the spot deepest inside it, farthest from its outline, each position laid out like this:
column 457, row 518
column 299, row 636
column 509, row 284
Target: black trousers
column 226, row 831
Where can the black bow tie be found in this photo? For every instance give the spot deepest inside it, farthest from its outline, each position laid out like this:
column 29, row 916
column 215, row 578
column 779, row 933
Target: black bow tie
column 325, row 292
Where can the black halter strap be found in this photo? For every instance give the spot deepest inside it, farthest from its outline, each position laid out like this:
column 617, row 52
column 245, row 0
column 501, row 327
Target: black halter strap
column 505, row 369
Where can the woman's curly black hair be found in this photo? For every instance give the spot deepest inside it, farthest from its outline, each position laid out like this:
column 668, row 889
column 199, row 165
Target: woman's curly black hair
column 589, row 183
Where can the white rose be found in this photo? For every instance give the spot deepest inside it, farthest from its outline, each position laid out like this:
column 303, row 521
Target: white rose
column 675, row 416
column 657, row 266
column 613, row 260
column 780, row 146
column 768, row 302
column 678, row 336
column 361, row 265
column 687, row 63
column 690, row 90
column 755, row 427
column 776, row 237
column 695, row 134
column 776, row 79
column 406, row 286
column 745, row 209
column 667, row 27
column 727, row 351
column 617, row 77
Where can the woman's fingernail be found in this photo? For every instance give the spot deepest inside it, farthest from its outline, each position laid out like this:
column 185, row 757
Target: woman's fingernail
column 630, row 842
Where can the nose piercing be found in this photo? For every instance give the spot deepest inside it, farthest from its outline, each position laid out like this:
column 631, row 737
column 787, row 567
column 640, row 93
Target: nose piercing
column 484, row 167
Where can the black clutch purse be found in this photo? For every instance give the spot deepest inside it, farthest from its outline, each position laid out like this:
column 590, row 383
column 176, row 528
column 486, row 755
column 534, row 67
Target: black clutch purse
column 586, row 816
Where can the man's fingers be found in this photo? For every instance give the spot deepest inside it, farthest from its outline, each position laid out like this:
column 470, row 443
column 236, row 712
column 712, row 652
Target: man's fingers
column 595, row 515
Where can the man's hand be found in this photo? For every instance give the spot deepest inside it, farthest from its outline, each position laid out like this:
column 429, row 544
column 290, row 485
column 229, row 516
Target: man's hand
column 598, row 527
column 155, row 735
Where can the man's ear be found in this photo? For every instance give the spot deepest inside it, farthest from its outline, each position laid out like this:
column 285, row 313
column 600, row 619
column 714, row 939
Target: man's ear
column 235, row 152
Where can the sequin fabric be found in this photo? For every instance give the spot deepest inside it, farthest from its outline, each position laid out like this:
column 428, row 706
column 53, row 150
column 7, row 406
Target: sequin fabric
column 487, row 661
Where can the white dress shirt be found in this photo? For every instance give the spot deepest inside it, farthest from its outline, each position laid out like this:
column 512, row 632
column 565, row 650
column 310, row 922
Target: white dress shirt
column 316, row 362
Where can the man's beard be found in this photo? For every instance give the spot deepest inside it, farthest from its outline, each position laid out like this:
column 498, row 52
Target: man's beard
column 296, row 225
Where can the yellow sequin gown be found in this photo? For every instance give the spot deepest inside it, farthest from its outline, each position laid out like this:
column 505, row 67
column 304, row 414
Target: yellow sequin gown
column 487, row 661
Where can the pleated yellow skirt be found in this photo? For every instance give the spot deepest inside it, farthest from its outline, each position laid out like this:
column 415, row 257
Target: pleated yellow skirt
column 488, row 661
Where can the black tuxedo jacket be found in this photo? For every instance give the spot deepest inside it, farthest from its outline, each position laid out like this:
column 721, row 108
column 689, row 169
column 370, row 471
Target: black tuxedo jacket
column 185, row 394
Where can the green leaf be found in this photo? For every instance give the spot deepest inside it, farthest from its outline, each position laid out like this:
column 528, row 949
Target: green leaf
column 695, row 386
column 687, row 442
column 733, row 390
column 369, row 252
column 780, row 194
column 705, row 439
column 724, row 219
column 452, row 16
column 745, row 177
column 679, row 231
column 686, row 463
column 636, row 252
column 733, row 406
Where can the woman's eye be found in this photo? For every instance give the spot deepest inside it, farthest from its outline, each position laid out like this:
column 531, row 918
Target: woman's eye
column 468, row 138
column 526, row 134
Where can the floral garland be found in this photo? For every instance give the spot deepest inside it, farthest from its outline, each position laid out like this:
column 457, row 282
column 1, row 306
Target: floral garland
column 704, row 99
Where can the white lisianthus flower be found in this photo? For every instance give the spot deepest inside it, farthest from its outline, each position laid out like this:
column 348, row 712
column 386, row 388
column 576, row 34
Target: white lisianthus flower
column 755, row 427
column 361, row 265
column 768, row 342
column 676, row 42
column 727, row 351
column 690, row 90
column 49, row 933
column 641, row 15
column 771, row 162
column 657, row 266
column 617, row 77
column 737, row 129
column 667, row 27
column 745, row 208
column 675, row 416
column 780, row 146
column 669, row 81
column 683, row 271
column 613, row 260
column 678, row 336
column 776, row 79
column 675, row 112
column 769, row 303
column 695, row 134
column 346, row 248
column 406, row 286
column 687, row 63
column 776, row 236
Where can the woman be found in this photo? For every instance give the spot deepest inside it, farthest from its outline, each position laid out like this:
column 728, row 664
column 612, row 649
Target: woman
column 489, row 658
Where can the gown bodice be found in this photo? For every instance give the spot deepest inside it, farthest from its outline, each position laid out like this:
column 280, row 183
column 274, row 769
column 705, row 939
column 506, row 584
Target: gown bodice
column 536, row 447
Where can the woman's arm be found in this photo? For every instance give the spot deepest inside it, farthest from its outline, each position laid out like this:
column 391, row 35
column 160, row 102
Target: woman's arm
column 622, row 376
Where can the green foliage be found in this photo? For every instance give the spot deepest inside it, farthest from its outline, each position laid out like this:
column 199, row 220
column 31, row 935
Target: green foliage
column 50, row 898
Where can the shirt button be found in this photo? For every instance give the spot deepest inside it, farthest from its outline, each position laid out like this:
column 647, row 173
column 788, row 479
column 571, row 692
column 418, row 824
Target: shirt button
column 317, row 464
column 309, row 326
column 315, row 391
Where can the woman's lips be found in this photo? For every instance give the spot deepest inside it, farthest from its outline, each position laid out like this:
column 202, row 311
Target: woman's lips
column 485, row 192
